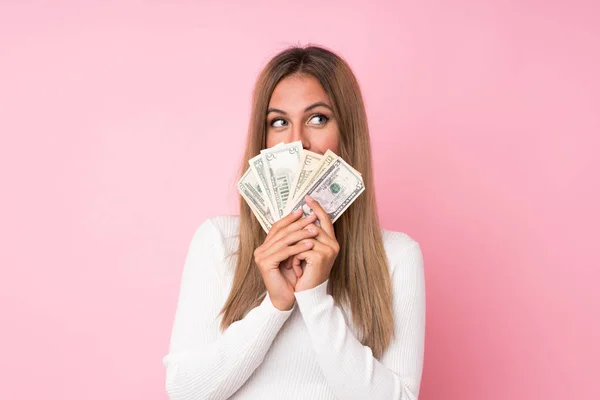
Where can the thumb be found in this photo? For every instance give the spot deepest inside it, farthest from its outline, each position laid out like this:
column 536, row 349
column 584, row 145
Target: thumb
column 297, row 265
column 305, row 255
column 289, row 276
column 287, row 264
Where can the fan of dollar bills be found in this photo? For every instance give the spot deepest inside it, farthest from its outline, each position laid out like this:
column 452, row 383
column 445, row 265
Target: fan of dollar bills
column 280, row 176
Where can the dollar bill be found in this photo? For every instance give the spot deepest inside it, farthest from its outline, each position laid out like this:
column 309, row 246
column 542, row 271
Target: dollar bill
column 281, row 163
column 309, row 162
column 279, row 178
column 335, row 188
column 251, row 191
column 327, row 159
column 259, row 168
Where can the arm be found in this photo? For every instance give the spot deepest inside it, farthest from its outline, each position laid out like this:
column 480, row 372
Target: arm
column 202, row 362
column 348, row 366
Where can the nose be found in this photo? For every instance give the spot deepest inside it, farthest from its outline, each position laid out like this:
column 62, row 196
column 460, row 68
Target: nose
column 299, row 134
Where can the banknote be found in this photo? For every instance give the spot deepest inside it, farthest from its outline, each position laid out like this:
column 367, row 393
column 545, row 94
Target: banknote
column 282, row 164
column 309, row 162
column 259, row 168
column 326, row 160
column 335, row 189
column 251, row 192
column 279, row 177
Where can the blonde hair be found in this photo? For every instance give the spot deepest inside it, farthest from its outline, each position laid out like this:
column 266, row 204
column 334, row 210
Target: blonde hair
column 360, row 276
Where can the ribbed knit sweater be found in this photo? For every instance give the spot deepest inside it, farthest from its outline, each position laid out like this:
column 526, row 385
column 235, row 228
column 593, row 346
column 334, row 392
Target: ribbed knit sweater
column 308, row 352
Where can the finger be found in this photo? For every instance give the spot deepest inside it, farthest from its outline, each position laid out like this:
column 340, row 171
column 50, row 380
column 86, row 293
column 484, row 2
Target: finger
column 290, row 276
column 323, row 237
column 295, row 226
column 290, row 239
column 324, row 219
column 307, row 255
column 324, row 250
column 289, row 251
column 282, row 223
column 297, row 266
column 319, row 247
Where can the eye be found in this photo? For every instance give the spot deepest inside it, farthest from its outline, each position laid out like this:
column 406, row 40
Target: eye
column 278, row 123
column 319, row 119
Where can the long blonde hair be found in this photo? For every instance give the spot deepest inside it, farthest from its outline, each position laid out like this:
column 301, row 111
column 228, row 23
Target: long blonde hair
column 360, row 276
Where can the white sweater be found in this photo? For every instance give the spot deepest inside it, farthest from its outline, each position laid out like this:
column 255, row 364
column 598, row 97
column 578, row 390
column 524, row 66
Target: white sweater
column 309, row 352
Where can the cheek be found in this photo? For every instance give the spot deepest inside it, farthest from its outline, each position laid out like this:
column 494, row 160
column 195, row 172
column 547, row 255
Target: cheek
column 329, row 140
column 272, row 140
column 269, row 141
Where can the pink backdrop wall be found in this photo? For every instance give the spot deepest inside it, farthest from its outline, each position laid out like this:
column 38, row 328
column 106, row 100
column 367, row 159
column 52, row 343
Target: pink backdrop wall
column 122, row 125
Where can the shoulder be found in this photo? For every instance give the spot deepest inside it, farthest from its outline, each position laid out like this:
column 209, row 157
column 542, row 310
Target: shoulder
column 403, row 252
column 225, row 225
column 219, row 234
column 221, row 226
column 214, row 240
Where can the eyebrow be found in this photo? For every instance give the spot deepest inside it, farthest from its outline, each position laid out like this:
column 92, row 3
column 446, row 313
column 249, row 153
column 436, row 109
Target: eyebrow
column 307, row 109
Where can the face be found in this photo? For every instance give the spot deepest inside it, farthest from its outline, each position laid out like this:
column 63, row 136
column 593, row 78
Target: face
column 300, row 109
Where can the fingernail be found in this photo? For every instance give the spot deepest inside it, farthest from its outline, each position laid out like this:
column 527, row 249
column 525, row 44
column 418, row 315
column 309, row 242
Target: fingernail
column 308, row 244
column 298, row 211
column 312, row 230
column 307, row 198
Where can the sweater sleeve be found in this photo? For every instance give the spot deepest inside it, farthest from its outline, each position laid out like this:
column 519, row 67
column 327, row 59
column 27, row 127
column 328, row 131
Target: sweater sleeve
column 350, row 367
column 203, row 362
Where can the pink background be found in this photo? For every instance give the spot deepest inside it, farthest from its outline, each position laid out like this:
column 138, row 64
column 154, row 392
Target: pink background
column 122, row 125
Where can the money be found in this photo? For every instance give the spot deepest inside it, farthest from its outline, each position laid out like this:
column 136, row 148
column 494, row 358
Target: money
column 326, row 160
column 282, row 164
column 335, row 189
column 251, row 192
column 280, row 177
column 309, row 162
column 259, row 168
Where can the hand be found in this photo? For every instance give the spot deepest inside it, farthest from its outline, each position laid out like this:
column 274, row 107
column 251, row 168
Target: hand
column 290, row 272
column 286, row 239
column 319, row 260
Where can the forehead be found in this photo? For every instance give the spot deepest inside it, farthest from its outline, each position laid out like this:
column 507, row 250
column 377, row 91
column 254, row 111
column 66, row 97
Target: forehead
column 297, row 92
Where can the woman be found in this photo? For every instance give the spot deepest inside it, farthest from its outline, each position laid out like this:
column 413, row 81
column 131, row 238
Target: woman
column 311, row 310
